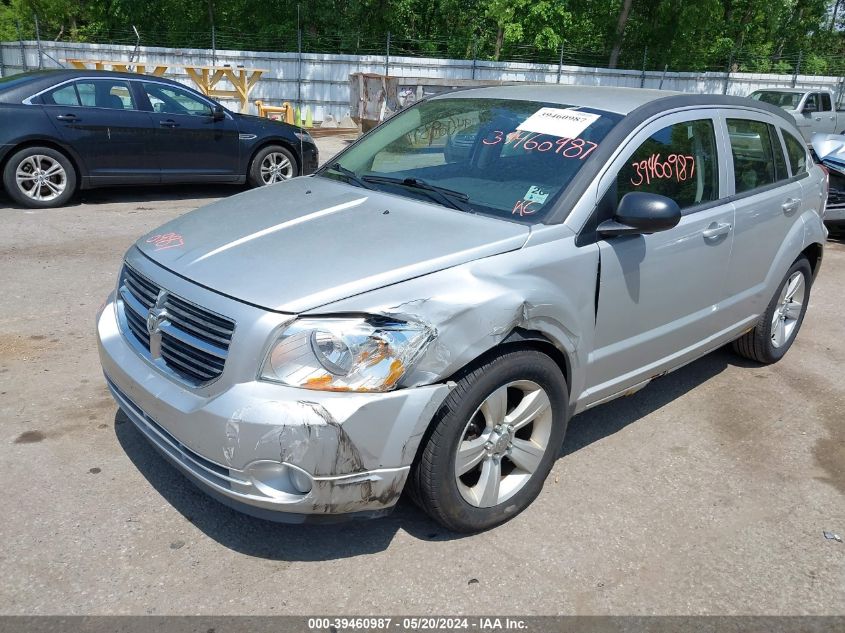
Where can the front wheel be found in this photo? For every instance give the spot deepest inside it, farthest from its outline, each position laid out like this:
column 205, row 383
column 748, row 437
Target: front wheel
column 778, row 326
column 493, row 442
column 272, row 164
column 39, row 178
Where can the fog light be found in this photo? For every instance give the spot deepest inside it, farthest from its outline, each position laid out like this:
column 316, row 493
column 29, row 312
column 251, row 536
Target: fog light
column 278, row 480
column 300, row 480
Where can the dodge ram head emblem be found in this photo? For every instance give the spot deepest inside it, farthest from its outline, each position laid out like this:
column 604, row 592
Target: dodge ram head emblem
column 156, row 317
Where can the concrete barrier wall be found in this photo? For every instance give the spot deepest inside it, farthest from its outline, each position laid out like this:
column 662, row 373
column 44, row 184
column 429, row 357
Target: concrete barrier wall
column 322, row 79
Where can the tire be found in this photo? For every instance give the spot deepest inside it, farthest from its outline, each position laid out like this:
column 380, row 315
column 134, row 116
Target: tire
column 466, row 418
column 272, row 164
column 778, row 326
column 58, row 178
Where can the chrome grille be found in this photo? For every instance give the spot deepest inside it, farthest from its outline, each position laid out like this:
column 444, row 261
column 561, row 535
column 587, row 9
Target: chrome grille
column 190, row 341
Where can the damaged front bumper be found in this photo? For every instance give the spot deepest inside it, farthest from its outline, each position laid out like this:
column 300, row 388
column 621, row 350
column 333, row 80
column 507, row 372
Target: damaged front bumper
column 273, row 451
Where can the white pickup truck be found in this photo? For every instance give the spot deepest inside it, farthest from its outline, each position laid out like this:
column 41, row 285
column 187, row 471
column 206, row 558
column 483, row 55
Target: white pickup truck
column 815, row 111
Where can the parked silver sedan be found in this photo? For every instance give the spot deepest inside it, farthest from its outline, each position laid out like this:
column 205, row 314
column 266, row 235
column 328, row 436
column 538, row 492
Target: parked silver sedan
column 415, row 318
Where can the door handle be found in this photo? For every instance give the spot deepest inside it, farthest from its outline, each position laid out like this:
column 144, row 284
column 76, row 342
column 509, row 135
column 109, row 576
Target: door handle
column 715, row 230
column 67, row 117
column 818, row 118
column 790, row 206
column 169, row 123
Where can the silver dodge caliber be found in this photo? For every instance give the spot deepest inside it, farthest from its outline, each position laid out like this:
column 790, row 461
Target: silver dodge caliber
column 430, row 308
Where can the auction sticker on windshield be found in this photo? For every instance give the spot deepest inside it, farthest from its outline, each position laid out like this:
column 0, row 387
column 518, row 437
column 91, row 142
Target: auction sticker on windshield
column 537, row 194
column 562, row 122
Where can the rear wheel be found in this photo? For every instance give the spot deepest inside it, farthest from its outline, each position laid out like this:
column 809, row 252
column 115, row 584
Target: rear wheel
column 272, row 164
column 39, row 178
column 778, row 326
column 493, row 442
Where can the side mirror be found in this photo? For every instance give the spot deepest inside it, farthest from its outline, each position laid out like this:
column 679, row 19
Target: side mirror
column 218, row 113
column 641, row 213
column 809, row 108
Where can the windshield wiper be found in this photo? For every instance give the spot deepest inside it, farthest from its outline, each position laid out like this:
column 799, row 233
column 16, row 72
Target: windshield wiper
column 350, row 175
column 447, row 197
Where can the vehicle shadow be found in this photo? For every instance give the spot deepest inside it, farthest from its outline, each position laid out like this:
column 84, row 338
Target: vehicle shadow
column 129, row 195
column 157, row 193
column 605, row 420
column 258, row 537
column 317, row 542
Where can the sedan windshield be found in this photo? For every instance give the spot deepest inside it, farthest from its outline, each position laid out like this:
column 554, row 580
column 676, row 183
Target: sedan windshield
column 499, row 157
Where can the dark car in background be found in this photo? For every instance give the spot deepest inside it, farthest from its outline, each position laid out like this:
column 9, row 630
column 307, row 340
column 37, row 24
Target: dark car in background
column 65, row 130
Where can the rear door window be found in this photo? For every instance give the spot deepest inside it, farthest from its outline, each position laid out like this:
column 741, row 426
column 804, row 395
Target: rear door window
column 105, row 93
column 781, row 172
column 797, row 154
column 63, row 95
column 679, row 162
column 754, row 158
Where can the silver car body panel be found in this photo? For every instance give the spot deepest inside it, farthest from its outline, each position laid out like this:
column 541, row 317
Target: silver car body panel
column 830, row 147
column 356, row 447
column 619, row 311
column 830, row 150
column 333, row 241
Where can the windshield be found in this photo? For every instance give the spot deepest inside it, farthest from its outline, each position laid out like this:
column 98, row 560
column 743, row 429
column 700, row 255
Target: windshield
column 499, row 157
column 787, row 100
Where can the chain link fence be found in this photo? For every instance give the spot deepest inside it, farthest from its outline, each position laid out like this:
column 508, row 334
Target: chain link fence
column 271, row 37
column 470, row 57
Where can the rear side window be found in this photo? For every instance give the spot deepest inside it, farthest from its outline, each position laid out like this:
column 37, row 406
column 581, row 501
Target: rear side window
column 678, row 162
column 797, row 154
column 105, row 93
column 781, row 172
column 63, row 95
column 754, row 153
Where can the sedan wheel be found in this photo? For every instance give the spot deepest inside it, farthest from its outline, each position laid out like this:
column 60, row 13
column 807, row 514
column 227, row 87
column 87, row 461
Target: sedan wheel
column 503, row 443
column 272, row 164
column 39, row 177
column 275, row 167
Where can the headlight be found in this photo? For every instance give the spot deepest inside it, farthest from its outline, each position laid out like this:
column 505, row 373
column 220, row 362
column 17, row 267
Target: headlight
column 305, row 137
column 346, row 354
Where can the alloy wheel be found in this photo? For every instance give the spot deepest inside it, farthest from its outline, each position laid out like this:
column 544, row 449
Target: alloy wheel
column 503, row 443
column 275, row 167
column 790, row 304
column 41, row 177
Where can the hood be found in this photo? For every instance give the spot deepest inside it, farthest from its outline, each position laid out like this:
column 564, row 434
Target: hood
column 252, row 122
column 830, row 149
column 309, row 241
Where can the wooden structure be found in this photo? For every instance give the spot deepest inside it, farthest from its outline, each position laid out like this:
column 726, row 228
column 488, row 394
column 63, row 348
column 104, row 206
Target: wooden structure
column 206, row 78
column 243, row 79
column 157, row 70
column 322, row 132
column 285, row 111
